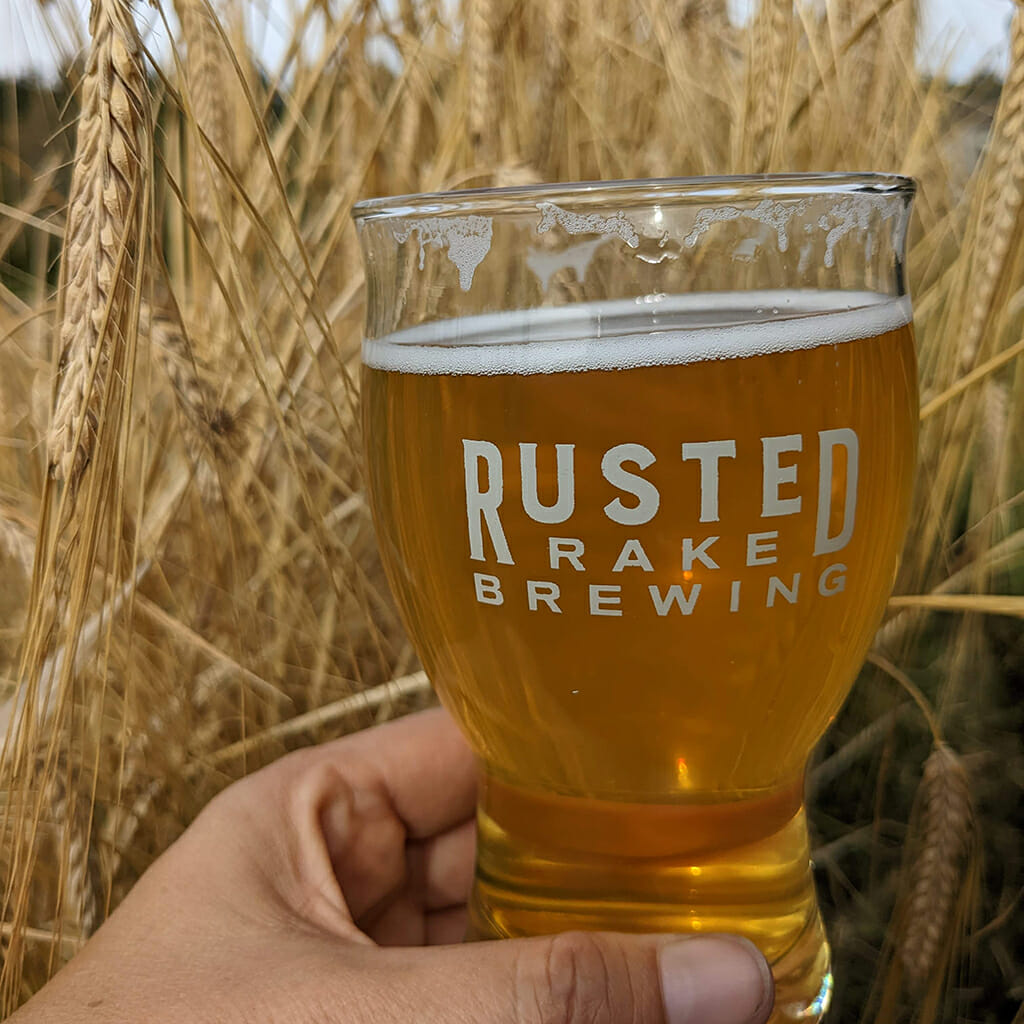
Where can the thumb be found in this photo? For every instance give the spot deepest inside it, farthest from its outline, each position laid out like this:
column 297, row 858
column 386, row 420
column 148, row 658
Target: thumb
column 597, row 978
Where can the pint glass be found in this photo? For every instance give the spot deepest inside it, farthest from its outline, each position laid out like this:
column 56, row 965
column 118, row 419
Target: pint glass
column 640, row 458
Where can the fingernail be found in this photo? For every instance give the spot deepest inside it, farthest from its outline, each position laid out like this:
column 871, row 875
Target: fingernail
column 715, row 979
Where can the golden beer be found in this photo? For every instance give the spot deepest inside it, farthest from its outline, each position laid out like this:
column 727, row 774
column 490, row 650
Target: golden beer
column 642, row 559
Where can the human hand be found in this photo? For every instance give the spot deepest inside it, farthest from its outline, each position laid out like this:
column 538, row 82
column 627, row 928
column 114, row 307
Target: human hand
column 331, row 888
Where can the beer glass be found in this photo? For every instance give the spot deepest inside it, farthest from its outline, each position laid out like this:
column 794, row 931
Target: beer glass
column 640, row 457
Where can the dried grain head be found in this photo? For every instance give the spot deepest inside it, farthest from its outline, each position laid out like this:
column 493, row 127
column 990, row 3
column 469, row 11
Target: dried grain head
column 102, row 230
column 947, row 838
column 771, row 40
column 209, row 87
column 479, row 19
column 208, row 426
column 1001, row 195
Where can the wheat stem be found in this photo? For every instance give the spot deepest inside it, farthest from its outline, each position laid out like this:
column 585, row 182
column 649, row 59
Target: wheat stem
column 911, row 688
column 407, row 686
column 986, row 604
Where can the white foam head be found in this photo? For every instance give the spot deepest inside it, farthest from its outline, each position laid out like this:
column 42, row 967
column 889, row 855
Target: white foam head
column 627, row 333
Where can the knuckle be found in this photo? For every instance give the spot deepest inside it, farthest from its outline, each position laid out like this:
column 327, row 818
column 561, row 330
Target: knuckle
column 292, row 785
column 572, row 978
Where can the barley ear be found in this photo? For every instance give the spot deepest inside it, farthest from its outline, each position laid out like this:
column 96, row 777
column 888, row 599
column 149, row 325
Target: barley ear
column 208, row 86
column 81, row 886
column 1002, row 198
column 479, row 49
column 552, row 73
column 208, row 427
column 103, row 227
column 936, row 874
column 769, row 59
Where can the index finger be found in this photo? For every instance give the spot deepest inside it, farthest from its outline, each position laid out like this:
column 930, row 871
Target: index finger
column 424, row 765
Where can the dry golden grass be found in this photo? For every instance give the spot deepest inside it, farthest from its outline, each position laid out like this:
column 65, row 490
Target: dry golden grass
column 205, row 591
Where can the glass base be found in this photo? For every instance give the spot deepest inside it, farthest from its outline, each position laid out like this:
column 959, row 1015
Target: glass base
column 547, row 864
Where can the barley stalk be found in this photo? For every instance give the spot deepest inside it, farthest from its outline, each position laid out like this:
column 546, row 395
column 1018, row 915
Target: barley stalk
column 551, row 78
column 102, row 228
column 859, row 63
column 768, row 63
column 992, row 448
column 207, row 425
column 16, row 542
column 101, row 271
column 208, row 88
column 998, row 218
column 82, row 898
column 947, row 833
column 479, row 50
column 410, row 121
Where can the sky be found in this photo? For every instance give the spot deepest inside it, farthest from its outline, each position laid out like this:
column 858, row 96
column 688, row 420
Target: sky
column 963, row 35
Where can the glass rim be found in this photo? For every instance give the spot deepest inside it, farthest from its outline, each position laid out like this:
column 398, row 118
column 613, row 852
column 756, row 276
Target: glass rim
column 629, row 192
